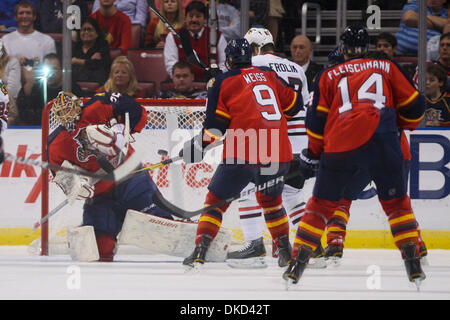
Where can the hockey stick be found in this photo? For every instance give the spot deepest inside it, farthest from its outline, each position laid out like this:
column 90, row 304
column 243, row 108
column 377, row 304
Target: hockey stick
column 50, row 214
column 106, row 166
column 183, row 36
column 116, row 175
column 148, row 168
column 164, row 204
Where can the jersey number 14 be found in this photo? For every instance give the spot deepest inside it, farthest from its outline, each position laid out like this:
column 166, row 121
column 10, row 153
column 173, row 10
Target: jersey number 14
column 377, row 97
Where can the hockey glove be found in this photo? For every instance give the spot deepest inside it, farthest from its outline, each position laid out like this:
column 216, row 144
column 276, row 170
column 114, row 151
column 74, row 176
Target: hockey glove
column 109, row 140
column 297, row 181
column 193, row 151
column 75, row 187
column 2, row 152
column 212, row 72
column 309, row 163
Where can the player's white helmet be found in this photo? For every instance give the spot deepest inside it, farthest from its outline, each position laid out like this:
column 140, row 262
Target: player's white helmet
column 259, row 37
column 66, row 109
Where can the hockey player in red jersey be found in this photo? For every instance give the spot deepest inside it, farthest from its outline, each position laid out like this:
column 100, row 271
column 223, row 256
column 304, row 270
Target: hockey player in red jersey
column 250, row 105
column 93, row 137
column 337, row 225
column 352, row 125
column 251, row 255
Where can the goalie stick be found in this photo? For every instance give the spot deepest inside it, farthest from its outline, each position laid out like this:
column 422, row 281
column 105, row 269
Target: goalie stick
column 65, row 202
column 183, row 36
column 116, row 175
column 164, row 204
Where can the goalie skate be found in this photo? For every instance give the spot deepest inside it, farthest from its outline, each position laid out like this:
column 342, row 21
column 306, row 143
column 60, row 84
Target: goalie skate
column 250, row 256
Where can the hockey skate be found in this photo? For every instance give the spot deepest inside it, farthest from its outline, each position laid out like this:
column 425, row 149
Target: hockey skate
column 317, row 260
column 423, row 252
column 333, row 254
column 250, row 256
column 196, row 260
column 297, row 266
column 412, row 264
column 284, row 250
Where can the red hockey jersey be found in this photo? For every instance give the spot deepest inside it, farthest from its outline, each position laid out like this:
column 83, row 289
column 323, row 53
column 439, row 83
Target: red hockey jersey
column 73, row 146
column 354, row 99
column 251, row 105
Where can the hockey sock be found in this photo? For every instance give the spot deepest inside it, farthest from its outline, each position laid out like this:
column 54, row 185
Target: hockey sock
column 277, row 222
column 296, row 214
column 106, row 244
column 209, row 224
column 293, row 202
column 274, row 214
column 313, row 223
column 337, row 225
column 211, row 221
column 251, row 220
column 402, row 221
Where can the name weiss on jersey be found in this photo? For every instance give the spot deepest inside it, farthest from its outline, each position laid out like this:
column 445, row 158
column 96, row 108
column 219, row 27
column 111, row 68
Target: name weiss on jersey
column 358, row 67
column 254, row 77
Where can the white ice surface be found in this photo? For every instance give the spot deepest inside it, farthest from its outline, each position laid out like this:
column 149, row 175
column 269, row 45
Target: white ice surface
column 152, row 277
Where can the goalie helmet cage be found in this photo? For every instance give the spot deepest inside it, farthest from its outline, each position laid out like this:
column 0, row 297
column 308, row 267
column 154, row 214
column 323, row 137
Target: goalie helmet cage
column 170, row 122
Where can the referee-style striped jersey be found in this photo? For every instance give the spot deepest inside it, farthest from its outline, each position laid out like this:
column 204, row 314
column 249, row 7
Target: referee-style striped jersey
column 294, row 75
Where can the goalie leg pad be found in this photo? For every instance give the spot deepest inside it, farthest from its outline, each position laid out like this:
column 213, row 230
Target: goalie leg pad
column 82, row 244
column 171, row 237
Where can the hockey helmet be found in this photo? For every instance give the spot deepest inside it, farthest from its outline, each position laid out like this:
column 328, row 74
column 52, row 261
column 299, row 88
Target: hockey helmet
column 259, row 37
column 66, row 109
column 355, row 41
column 238, row 53
column 335, row 57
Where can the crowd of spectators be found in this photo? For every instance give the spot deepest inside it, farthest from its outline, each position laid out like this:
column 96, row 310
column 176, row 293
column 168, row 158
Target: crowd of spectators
column 30, row 37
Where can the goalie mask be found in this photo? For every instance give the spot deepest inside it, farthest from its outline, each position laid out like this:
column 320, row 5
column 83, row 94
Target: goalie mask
column 66, row 109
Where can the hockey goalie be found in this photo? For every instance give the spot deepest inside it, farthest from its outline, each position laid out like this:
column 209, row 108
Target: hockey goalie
column 96, row 137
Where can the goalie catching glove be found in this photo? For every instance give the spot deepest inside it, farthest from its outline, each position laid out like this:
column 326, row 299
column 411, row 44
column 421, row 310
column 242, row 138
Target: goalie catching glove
column 75, row 187
column 309, row 163
column 109, row 140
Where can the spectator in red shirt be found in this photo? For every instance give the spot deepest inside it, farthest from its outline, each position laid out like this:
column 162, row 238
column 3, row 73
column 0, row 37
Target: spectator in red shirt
column 115, row 24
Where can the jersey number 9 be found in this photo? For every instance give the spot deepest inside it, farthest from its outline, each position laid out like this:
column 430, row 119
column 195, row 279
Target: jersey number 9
column 266, row 97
